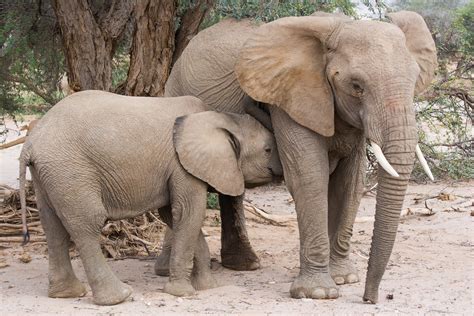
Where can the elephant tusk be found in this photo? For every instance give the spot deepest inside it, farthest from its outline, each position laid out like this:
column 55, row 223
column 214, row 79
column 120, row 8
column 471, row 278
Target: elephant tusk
column 382, row 160
column 423, row 162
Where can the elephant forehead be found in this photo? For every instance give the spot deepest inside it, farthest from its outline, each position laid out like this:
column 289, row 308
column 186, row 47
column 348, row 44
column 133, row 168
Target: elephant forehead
column 371, row 32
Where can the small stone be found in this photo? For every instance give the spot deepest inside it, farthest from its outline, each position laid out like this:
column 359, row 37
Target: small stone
column 179, row 300
column 271, row 282
column 389, row 296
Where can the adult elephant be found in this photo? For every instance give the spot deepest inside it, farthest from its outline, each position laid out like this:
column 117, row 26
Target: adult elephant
column 330, row 84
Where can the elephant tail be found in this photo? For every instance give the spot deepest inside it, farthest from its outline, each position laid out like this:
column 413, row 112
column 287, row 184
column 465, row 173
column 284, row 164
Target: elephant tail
column 24, row 162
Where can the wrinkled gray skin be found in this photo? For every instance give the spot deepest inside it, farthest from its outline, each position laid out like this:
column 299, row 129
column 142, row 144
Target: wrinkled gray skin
column 330, row 84
column 97, row 156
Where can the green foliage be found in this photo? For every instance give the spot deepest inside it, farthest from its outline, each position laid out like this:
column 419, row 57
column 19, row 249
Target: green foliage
column 445, row 111
column 464, row 24
column 31, row 60
column 268, row 10
column 212, row 201
column 440, row 16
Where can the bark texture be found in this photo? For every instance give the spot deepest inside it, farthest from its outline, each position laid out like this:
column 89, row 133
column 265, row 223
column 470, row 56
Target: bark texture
column 152, row 48
column 190, row 22
column 89, row 40
column 157, row 44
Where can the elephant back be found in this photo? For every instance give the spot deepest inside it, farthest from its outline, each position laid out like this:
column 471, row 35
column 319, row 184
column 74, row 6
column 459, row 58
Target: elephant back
column 206, row 67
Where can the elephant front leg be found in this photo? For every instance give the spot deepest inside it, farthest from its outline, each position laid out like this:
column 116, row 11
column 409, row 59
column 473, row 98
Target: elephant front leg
column 201, row 277
column 345, row 192
column 188, row 212
column 236, row 251
column 304, row 156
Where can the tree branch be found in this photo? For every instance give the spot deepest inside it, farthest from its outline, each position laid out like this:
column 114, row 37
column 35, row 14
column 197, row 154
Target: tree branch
column 32, row 87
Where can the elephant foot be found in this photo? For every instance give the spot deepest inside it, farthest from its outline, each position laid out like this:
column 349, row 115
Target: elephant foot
column 111, row 294
column 317, row 286
column 162, row 264
column 343, row 271
column 203, row 281
column 179, row 288
column 66, row 288
column 242, row 259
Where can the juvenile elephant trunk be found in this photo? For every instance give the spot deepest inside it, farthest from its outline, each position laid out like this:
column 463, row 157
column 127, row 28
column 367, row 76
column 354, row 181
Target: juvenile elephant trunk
column 400, row 139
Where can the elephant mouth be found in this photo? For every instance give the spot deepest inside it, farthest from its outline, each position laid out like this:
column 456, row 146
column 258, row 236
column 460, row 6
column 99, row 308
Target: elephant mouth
column 276, row 179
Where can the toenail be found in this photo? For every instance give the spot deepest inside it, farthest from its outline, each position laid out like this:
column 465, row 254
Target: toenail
column 352, row 278
column 318, row 293
column 333, row 293
column 339, row 280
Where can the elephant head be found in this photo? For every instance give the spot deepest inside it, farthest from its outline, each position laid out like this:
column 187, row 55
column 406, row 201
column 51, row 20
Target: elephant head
column 365, row 71
column 227, row 151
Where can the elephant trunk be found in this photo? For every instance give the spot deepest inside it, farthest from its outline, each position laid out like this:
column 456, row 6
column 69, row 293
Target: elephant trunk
column 399, row 143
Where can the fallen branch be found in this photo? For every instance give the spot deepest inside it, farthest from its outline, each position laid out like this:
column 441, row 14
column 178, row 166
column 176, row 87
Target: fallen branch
column 369, row 190
column 271, row 219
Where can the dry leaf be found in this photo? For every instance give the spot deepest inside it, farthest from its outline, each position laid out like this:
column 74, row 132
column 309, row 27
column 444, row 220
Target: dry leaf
column 446, row 197
column 25, row 257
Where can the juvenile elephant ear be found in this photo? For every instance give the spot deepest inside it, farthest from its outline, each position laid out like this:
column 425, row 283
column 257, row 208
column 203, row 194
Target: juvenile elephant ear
column 208, row 147
column 420, row 43
column 283, row 64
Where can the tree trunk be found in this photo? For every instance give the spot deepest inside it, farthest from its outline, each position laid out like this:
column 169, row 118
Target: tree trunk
column 152, row 47
column 156, row 45
column 189, row 27
column 89, row 44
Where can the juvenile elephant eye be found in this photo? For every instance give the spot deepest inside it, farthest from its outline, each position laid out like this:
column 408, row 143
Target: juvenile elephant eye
column 268, row 150
column 357, row 88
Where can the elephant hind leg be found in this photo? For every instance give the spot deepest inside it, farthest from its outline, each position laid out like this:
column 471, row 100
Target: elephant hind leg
column 84, row 220
column 62, row 280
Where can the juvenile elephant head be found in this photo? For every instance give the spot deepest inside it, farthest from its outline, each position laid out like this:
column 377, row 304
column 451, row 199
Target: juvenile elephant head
column 366, row 71
column 227, row 151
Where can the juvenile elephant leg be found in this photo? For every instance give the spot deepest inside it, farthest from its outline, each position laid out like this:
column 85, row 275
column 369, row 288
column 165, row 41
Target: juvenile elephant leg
column 304, row 156
column 236, row 251
column 201, row 277
column 62, row 280
column 162, row 263
column 84, row 221
column 188, row 209
column 345, row 192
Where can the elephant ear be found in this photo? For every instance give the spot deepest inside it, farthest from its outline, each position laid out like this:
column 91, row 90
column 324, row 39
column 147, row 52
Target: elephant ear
column 283, row 63
column 420, row 43
column 208, row 147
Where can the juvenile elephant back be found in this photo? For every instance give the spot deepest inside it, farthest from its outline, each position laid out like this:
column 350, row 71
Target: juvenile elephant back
column 206, row 67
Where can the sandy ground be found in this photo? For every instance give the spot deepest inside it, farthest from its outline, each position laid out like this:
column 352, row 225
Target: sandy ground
column 430, row 272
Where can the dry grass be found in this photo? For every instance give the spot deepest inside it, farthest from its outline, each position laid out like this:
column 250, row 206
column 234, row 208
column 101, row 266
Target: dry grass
column 132, row 237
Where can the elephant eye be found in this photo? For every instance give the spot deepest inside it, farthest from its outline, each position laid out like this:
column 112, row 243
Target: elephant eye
column 268, row 150
column 357, row 89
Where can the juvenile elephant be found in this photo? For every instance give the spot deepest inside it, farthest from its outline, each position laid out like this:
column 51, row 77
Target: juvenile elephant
column 97, row 156
column 330, row 84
